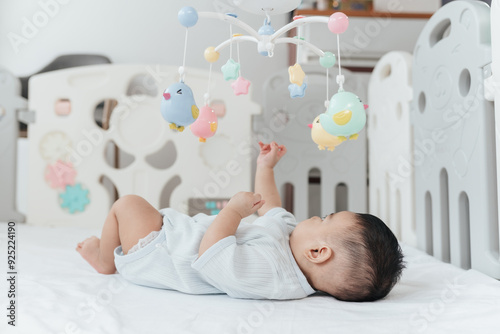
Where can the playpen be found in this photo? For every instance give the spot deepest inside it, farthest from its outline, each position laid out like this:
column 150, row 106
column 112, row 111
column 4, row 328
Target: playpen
column 426, row 165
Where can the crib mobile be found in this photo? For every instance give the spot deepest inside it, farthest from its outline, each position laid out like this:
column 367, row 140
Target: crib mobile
column 345, row 114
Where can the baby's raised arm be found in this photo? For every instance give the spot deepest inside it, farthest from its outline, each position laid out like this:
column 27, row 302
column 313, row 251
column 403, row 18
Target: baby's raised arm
column 241, row 205
column 265, row 184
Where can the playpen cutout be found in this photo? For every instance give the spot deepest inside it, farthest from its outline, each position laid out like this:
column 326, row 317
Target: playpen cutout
column 164, row 158
column 374, row 121
column 102, row 113
column 422, row 102
column 314, row 192
column 464, row 82
column 142, row 84
column 440, row 32
column 399, row 111
column 116, row 157
column 385, row 72
column 388, row 201
column 429, row 246
column 341, row 197
column 413, row 224
column 398, row 216
column 111, row 189
column 168, row 189
column 379, row 212
column 288, row 196
column 445, row 215
column 464, row 230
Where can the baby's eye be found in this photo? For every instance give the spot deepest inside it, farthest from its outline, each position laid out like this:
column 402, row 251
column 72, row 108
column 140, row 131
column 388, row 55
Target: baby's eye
column 324, row 217
column 179, row 91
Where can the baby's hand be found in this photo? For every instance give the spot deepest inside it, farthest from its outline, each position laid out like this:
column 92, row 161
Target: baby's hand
column 270, row 154
column 245, row 203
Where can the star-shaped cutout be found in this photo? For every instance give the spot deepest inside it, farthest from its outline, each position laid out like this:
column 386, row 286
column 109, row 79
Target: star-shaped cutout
column 297, row 91
column 230, row 70
column 296, row 74
column 240, row 86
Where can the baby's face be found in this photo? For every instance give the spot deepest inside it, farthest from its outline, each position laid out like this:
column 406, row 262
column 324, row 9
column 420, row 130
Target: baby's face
column 316, row 228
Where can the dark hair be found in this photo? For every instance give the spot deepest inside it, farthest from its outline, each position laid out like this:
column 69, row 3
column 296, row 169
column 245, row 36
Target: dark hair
column 375, row 261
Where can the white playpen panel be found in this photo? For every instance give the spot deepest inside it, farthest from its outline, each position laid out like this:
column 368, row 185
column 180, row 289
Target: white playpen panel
column 341, row 174
column 218, row 168
column 390, row 145
column 10, row 103
column 455, row 172
column 492, row 88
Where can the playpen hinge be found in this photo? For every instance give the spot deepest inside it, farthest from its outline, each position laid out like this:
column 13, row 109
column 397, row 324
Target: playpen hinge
column 26, row 116
column 490, row 86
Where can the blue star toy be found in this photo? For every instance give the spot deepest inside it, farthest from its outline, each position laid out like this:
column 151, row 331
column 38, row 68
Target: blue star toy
column 230, row 70
column 297, row 91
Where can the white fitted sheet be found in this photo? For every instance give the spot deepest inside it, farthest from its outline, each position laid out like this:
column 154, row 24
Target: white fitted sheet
column 58, row 292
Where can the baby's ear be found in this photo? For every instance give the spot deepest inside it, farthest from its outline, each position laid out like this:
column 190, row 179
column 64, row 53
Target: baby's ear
column 320, row 254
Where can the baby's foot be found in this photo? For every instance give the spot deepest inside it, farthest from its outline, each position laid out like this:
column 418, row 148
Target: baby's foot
column 89, row 250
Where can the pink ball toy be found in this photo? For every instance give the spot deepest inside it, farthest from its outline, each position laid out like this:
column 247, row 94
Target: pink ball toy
column 338, row 23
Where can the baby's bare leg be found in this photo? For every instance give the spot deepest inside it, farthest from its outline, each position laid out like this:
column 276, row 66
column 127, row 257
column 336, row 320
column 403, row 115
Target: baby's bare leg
column 130, row 219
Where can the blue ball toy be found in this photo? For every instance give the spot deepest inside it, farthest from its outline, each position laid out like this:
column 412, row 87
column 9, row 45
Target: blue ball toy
column 188, row 16
column 328, row 60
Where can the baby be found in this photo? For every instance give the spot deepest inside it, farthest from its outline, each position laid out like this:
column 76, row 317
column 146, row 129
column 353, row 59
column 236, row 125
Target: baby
column 351, row 256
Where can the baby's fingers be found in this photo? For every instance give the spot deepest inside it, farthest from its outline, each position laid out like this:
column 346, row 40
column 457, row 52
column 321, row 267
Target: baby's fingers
column 264, row 147
column 258, row 205
column 281, row 150
column 256, row 198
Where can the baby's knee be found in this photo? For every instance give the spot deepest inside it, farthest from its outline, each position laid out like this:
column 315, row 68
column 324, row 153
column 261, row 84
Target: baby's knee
column 128, row 201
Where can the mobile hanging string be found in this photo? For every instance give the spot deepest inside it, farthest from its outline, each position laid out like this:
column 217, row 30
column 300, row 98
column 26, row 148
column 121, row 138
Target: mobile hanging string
column 182, row 69
column 340, row 77
column 207, row 94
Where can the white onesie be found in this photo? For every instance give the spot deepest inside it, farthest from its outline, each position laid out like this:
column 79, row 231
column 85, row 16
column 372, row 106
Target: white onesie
column 255, row 263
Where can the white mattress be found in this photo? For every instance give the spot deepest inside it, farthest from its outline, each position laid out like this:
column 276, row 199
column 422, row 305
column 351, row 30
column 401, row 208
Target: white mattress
column 58, row 292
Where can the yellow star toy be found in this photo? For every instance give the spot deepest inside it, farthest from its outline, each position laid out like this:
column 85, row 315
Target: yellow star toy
column 296, row 74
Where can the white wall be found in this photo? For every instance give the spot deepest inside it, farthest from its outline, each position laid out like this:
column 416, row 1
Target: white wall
column 127, row 32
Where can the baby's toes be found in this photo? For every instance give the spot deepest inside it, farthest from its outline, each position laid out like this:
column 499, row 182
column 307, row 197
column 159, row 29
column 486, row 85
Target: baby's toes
column 80, row 245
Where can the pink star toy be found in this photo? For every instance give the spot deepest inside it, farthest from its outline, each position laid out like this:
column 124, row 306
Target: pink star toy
column 240, row 86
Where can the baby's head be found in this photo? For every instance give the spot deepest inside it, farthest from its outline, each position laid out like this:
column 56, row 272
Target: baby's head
column 351, row 256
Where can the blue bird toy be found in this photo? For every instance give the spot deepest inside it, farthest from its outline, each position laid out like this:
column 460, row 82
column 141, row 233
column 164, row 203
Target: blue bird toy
column 345, row 116
column 178, row 106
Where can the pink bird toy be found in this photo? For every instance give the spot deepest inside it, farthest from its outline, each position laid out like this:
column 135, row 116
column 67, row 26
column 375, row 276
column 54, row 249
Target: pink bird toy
column 206, row 124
